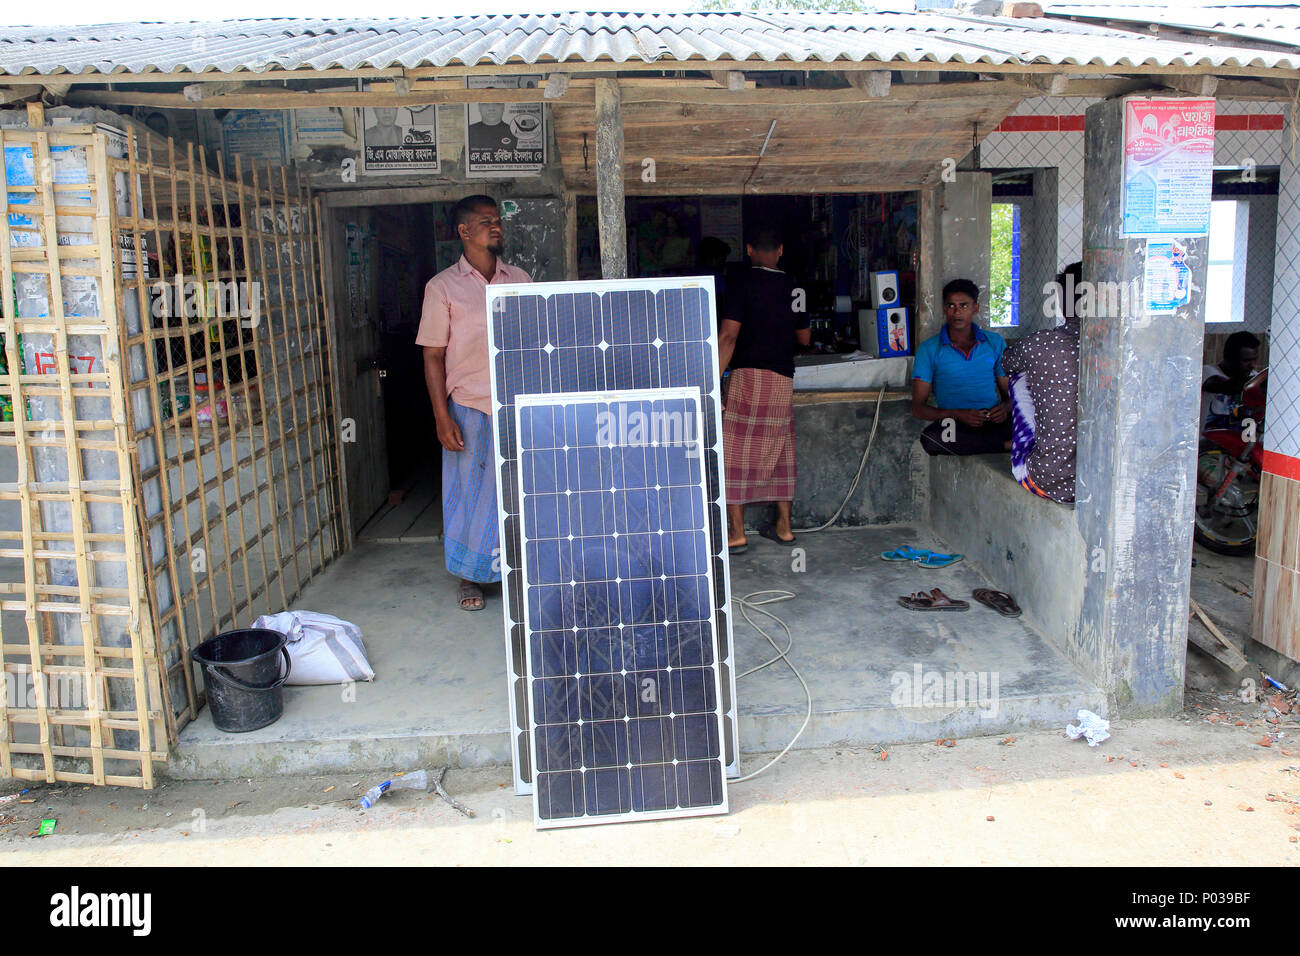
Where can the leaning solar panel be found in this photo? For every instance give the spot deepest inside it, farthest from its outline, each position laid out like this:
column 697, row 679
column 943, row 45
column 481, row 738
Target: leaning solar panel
column 624, row 689
column 550, row 337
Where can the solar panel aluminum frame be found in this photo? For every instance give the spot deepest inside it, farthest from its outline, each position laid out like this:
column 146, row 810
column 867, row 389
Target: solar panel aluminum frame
column 516, row 693
column 565, row 399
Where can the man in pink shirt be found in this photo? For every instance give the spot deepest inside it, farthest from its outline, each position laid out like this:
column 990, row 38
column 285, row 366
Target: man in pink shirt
column 454, row 334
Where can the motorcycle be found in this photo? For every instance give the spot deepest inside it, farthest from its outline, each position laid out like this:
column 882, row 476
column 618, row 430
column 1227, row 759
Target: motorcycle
column 1229, row 466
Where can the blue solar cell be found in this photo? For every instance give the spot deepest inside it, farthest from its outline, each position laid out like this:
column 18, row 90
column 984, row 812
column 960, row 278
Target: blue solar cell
column 549, row 338
column 621, row 660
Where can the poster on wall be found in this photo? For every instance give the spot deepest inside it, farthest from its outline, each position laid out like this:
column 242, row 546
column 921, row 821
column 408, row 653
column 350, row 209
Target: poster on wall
column 1168, row 167
column 399, row 140
column 1167, row 278
column 255, row 134
column 319, row 126
column 504, row 139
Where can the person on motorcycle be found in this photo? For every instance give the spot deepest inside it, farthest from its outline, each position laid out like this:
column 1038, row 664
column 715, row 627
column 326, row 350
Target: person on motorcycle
column 1222, row 384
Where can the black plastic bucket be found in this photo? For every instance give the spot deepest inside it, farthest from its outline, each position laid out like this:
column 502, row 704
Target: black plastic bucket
column 241, row 675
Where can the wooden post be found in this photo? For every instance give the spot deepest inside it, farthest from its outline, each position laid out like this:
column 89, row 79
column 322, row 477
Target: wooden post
column 609, row 179
column 570, row 235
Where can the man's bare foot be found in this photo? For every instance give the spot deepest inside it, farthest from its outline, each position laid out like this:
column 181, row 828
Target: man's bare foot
column 737, row 545
column 470, row 596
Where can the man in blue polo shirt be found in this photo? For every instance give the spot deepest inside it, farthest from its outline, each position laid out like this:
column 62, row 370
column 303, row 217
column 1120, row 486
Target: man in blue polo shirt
column 962, row 368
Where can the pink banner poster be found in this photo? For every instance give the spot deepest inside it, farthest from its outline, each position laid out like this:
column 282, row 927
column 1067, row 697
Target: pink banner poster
column 1168, row 167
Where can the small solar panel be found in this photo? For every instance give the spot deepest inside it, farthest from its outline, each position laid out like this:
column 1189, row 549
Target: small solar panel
column 624, row 689
column 560, row 337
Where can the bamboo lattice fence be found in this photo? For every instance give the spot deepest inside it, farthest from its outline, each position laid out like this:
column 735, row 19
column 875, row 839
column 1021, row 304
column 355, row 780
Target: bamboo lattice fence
column 197, row 484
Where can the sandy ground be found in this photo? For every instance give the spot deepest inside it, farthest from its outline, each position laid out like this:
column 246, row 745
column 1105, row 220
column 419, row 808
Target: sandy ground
column 1198, row 790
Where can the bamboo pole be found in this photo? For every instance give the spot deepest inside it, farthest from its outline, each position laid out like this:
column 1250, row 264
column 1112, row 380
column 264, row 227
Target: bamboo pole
column 143, row 661
column 196, row 432
column 160, row 444
column 190, row 414
column 329, row 392
column 214, row 400
column 275, row 361
column 268, row 376
column 290, row 362
column 247, row 405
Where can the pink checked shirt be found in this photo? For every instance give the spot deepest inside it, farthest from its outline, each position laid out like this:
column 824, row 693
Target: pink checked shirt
column 454, row 316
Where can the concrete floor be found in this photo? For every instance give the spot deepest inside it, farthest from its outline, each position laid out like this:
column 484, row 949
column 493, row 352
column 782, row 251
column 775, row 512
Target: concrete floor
column 440, row 693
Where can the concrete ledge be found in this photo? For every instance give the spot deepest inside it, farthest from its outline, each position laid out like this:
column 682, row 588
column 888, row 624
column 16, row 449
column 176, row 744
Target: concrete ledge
column 1026, row 545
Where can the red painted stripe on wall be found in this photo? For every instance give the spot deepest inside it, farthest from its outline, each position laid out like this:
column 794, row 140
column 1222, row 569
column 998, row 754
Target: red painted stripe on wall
column 1281, row 465
column 1029, row 124
column 1074, row 124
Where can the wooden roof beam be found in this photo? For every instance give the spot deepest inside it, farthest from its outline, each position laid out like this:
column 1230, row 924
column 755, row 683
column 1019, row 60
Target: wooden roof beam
column 18, row 94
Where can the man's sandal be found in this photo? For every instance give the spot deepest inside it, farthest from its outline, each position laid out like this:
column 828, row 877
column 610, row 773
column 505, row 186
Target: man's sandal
column 1000, row 601
column 904, row 553
column 935, row 560
column 935, row 600
column 468, row 594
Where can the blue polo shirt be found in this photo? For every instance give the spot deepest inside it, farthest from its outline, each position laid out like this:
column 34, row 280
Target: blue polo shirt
column 960, row 380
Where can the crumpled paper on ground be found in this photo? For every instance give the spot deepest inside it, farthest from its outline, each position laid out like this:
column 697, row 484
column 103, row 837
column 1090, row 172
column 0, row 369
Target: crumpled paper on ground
column 1091, row 728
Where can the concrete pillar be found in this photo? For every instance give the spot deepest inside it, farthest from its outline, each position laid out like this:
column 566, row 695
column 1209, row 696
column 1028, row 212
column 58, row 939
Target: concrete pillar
column 609, row 179
column 967, row 230
column 929, row 310
column 1038, row 265
column 1139, row 399
column 956, row 229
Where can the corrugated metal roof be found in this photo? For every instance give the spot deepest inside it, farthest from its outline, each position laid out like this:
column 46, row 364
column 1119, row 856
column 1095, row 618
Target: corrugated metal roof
column 305, row 44
column 1271, row 24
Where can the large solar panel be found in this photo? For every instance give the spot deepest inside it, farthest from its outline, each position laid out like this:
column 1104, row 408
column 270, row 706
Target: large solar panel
column 552, row 337
column 624, row 690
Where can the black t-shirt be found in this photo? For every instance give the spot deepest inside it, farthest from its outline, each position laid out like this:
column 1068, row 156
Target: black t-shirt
column 763, row 303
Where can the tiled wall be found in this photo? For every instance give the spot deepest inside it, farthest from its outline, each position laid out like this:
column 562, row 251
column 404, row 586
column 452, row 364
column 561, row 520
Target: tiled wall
column 1276, row 619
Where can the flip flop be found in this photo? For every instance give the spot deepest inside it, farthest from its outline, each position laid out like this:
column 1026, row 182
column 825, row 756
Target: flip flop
column 934, row 560
column 769, row 531
column 904, row 553
column 935, row 600
column 1000, row 601
column 737, row 548
column 469, row 591
column 916, row 601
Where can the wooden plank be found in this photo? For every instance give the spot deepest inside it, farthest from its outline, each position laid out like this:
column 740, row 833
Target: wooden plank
column 1214, row 643
column 715, row 150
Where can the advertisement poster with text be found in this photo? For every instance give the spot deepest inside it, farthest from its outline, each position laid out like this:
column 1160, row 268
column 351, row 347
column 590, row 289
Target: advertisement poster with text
column 1168, row 167
column 505, row 138
column 401, row 140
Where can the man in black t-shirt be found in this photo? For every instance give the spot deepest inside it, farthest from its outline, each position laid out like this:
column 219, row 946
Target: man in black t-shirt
column 760, row 329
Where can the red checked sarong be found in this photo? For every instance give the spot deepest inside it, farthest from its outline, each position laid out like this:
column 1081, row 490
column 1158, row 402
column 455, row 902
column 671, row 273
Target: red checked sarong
column 758, row 437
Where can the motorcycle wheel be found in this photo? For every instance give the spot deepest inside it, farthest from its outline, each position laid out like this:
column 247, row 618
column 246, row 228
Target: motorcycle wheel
column 1230, row 527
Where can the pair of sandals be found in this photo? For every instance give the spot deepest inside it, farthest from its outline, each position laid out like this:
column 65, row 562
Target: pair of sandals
column 936, row 600
column 922, row 558
column 767, row 531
